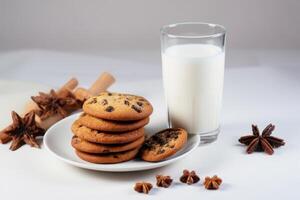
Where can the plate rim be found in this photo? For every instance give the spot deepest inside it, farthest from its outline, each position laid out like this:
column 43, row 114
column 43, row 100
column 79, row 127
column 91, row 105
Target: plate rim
column 95, row 167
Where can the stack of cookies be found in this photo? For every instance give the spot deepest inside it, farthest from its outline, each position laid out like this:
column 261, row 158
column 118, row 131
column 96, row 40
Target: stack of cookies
column 111, row 129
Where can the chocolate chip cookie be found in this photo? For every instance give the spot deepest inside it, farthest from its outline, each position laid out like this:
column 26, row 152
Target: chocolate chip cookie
column 91, row 135
column 111, row 126
column 108, row 158
column 163, row 144
column 117, row 106
column 89, row 147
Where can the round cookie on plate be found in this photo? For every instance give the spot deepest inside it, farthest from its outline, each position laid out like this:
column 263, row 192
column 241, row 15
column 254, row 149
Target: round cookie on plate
column 163, row 144
column 111, row 126
column 96, row 136
column 108, row 158
column 117, row 106
column 89, row 147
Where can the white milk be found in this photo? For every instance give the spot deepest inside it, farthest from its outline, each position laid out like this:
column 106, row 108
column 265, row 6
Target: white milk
column 193, row 82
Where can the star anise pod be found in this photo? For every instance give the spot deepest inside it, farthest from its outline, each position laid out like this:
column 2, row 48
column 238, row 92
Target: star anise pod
column 264, row 142
column 4, row 138
column 143, row 187
column 163, row 181
column 212, row 183
column 23, row 131
column 54, row 103
column 189, row 177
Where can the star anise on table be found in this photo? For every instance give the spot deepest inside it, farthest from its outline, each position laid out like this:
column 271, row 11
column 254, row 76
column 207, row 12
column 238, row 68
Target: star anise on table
column 189, row 177
column 163, row 181
column 261, row 142
column 212, row 183
column 54, row 103
column 143, row 187
column 23, row 131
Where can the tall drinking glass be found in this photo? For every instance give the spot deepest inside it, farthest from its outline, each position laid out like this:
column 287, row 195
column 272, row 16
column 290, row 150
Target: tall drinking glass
column 193, row 58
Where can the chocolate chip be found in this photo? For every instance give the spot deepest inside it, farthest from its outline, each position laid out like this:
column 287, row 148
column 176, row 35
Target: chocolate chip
column 109, row 94
column 136, row 108
column 139, row 103
column 172, row 146
column 161, row 151
column 104, row 102
column 109, row 109
column 94, row 100
column 126, row 102
column 115, row 156
column 129, row 98
column 162, row 141
column 141, row 99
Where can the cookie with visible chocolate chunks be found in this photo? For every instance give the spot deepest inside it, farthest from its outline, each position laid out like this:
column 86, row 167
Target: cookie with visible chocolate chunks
column 163, row 144
column 111, row 126
column 90, row 147
column 101, row 137
column 118, row 107
column 108, row 158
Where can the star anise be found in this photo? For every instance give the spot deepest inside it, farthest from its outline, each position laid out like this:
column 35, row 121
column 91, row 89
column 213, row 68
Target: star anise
column 23, row 131
column 163, row 181
column 54, row 103
column 143, row 187
column 4, row 138
column 264, row 142
column 189, row 177
column 212, row 183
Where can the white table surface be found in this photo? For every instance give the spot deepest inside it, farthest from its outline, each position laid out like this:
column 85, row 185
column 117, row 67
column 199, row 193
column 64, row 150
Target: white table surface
column 260, row 87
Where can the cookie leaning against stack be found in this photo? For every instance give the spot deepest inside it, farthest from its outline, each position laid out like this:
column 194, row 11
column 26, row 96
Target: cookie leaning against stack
column 111, row 129
column 163, row 144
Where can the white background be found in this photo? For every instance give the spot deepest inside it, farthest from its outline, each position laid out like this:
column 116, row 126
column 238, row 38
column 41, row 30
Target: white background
column 264, row 92
column 85, row 25
column 47, row 42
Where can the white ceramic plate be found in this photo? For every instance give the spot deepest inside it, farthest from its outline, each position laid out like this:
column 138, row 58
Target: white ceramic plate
column 57, row 141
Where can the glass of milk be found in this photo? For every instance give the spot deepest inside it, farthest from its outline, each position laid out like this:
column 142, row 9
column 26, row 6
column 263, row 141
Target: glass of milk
column 193, row 56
